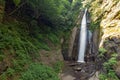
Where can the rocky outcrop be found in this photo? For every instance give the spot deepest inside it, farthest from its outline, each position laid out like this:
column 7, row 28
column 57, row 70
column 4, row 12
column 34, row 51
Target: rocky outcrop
column 107, row 13
column 110, row 24
column 112, row 45
column 72, row 40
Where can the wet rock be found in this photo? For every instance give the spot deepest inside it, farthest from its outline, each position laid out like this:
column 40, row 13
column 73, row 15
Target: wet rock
column 116, row 40
column 74, row 52
column 72, row 64
column 77, row 68
column 111, row 46
column 118, row 57
column 117, row 69
column 96, row 40
column 118, row 72
column 107, row 14
column 71, row 41
column 95, row 76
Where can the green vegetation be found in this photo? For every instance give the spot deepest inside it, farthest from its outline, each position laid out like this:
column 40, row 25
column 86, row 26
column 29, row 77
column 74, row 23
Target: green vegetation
column 108, row 66
column 101, row 12
column 28, row 26
column 39, row 72
column 111, row 75
column 102, row 52
column 58, row 66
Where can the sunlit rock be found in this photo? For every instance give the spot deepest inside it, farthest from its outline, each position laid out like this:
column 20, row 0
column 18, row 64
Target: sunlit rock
column 107, row 13
column 110, row 25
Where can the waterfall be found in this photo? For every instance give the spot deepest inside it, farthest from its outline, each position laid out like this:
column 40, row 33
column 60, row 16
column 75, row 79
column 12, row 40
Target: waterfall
column 82, row 38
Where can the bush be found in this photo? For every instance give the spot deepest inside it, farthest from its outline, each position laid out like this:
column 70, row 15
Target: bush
column 108, row 66
column 109, row 76
column 39, row 72
column 102, row 51
column 58, row 66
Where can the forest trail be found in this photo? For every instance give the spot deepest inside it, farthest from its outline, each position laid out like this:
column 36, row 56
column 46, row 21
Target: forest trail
column 74, row 71
column 68, row 73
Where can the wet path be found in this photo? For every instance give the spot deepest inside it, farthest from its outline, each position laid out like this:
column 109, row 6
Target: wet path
column 68, row 72
column 84, row 71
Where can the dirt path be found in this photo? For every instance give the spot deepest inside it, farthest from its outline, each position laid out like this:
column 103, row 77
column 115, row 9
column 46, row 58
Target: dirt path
column 68, row 73
column 79, row 72
column 95, row 76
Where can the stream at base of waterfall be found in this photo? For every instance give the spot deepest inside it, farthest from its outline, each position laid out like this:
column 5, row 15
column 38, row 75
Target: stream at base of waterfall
column 74, row 71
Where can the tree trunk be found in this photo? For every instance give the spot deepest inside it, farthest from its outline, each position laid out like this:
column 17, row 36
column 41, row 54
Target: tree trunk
column 2, row 6
column 9, row 7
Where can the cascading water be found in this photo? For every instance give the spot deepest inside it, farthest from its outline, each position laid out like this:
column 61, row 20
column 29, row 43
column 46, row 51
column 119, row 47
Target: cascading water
column 82, row 39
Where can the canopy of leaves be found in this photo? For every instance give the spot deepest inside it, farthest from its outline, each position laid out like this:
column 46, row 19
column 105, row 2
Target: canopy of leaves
column 58, row 14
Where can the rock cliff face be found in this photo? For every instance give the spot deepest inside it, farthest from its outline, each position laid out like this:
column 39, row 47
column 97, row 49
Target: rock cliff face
column 110, row 24
column 107, row 13
column 73, row 39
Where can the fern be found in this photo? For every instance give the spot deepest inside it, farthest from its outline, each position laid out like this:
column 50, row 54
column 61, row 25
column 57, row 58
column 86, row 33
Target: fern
column 38, row 71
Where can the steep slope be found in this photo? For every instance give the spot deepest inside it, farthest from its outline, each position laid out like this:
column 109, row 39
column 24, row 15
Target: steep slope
column 105, row 15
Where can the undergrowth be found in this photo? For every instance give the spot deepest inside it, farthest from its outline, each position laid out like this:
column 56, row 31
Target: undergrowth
column 58, row 66
column 108, row 71
column 18, row 48
column 39, row 72
column 35, row 27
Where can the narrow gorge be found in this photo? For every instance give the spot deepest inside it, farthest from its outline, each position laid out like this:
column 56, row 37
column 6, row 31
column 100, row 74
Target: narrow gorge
column 59, row 40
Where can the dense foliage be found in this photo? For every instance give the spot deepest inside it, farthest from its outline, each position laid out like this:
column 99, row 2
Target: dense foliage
column 39, row 72
column 27, row 26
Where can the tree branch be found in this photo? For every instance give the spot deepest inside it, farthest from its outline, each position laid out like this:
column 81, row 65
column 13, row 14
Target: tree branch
column 17, row 8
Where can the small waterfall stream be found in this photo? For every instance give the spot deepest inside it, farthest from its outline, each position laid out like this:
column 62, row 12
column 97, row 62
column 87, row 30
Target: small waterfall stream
column 82, row 39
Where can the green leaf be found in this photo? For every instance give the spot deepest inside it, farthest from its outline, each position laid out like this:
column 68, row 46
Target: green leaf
column 17, row 2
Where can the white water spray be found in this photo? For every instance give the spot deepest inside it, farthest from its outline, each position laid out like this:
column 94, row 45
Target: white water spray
column 82, row 38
